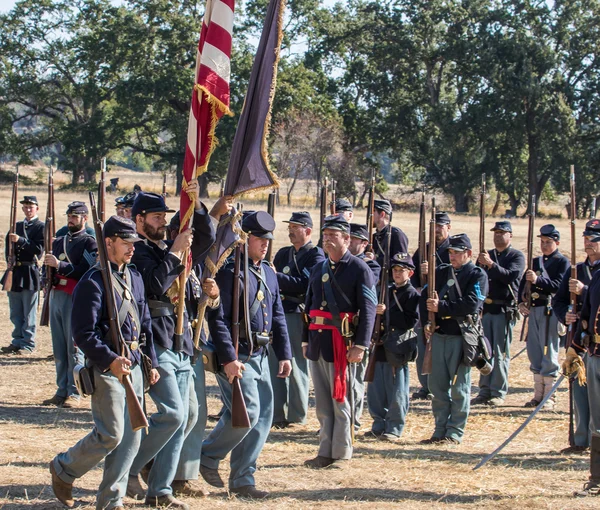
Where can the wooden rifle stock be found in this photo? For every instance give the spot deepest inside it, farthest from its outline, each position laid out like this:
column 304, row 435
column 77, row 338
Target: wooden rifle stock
column 526, row 297
column 427, row 359
column 572, row 295
column 239, row 413
column 137, row 417
column 49, row 232
column 271, row 211
column 8, row 277
column 422, row 238
column 370, row 210
column 482, row 216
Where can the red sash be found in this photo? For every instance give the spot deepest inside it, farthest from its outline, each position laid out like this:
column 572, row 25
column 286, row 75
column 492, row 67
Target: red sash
column 339, row 351
column 65, row 284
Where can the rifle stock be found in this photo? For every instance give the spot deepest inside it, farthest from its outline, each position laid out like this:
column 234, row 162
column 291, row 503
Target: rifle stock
column 239, row 413
column 49, row 232
column 137, row 417
column 8, row 277
column 430, row 326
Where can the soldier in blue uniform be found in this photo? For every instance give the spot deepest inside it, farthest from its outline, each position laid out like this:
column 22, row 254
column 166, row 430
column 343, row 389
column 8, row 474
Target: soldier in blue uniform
column 28, row 240
column 267, row 323
column 382, row 216
column 72, row 255
column 119, row 207
column 461, row 288
column 341, row 302
column 387, row 395
column 561, row 307
column 293, row 264
column 504, row 266
column 160, row 263
column 128, row 201
column 587, row 341
column 359, row 240
column 112, row 438
column 542, row 336
column 344, row 207
column 443, row 226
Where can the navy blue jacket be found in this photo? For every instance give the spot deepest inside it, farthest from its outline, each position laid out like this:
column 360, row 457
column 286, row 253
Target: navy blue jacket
column 442, row 257
column 90, row 325
column 373, row 265
column 270, row 316
column 473, row 284
column 64, row 230
column 293, row 282
column 505, row 275
column 589, row 315
column 356, row 280
column 401, row 321
column 28, row 249
column 160, row 268
column 555, row 264
column 81, row 251
column 562, row 299
column 399, row 244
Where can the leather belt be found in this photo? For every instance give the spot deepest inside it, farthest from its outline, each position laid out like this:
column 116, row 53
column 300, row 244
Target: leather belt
column 19, row 263
column 321, row 321
column 489, row 301
column 160, row 308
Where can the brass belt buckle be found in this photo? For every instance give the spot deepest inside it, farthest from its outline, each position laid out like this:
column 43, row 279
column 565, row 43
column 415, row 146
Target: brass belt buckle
column 535, row 295
column 319, row 321
column 62, row 281
column 488, row 301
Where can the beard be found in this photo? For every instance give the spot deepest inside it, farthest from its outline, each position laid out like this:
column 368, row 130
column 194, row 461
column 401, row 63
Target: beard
column 154, row 234
column 75, row 228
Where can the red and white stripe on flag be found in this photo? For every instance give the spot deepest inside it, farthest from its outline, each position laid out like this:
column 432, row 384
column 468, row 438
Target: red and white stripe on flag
column 210, row 98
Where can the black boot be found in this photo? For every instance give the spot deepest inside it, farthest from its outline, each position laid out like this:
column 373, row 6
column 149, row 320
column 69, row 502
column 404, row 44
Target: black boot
column 592, row 486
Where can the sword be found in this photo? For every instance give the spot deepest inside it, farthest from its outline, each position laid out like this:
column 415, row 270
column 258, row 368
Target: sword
column 519, row 353
column 523, row 425
column 351, row 377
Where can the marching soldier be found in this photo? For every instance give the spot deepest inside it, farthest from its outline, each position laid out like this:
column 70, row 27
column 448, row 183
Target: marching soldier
column 359, row 240
column 442, row 242
column 344, row 207
column 72, row 255
column 587, row 341
column 461, row 288
column 560, row 306
column 160, row 263
column 119, row 207
column 112, row 438
column 504, row 266
column 341, row 293
column 23, row 296
column 542, row 336
column 128, row 201
column 293, row 264
column 267, row 323
column 387, row 395
column 382, row 216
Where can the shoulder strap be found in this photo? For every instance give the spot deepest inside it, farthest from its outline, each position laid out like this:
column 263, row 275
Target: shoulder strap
column 128, row 306
column 262, row 287
column 543, row 269
column 336, row 284
column 397, row 302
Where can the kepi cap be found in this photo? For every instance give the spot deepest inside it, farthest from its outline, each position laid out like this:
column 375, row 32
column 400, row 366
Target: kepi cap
column 403, row 260
column 336, row 222
column 146, row 202
column 77, row 208
column 460, row 242
column 592, row 229
column 503, row 225
column 550, row 231
column 359, row 231
column 442, row 218
column 383, row 205
column 129, row 199
column 120, row 227
column 29, row 199
column 301, row 218
column 342, row 205
column 259, row 224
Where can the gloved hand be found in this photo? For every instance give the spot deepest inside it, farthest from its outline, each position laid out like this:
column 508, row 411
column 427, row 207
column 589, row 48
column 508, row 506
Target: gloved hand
column 574, row 364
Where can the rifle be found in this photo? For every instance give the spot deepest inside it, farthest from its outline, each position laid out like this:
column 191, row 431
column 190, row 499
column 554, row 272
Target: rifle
column 526, row 297
column 572, row 302
column 164, row 190
column 422, row 234
column 593, row 210
column 332, row 203
column 102, row 192
column 370, row 210
column 136, row 414
column 482, row 216
column 8, row 277
column 323, row 209
column 49, row 232
column 239, row 413
column 427, row 358
column 271, row 211
column 376, row 342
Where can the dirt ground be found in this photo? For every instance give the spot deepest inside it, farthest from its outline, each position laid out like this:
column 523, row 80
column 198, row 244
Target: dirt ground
column 529, row 473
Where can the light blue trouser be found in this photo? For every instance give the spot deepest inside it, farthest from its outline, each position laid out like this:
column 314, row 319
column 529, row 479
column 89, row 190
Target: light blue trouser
column 335, row 441
column 23, row 309
column 359, row 389
column 423, row 379
column 111, row 439
column 189, row 460
column 66, row 355
column 245, row 445
column 290, row 395
column 581, row 414
column 499, row 331
column 164, row 440
column 451, row 399
column 539, row 325
column 388, row 399
column 592, row 366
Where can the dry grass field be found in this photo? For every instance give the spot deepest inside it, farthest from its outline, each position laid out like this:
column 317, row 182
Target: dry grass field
column 529, row 473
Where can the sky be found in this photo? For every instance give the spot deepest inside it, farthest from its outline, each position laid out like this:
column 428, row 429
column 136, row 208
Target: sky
column 6, row 5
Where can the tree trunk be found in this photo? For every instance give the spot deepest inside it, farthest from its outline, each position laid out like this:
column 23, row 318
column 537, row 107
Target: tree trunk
column 461, row 202
column 497, row 204
column 179, row 176
column 291, row 188
column 203, row 183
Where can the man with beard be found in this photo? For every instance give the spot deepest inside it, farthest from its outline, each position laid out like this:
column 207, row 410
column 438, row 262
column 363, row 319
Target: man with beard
column 293, row 264
column 442, row 234
column 266, row 326
column 561, row 307
column 112, row 438
column 160, row 263
column 72, row 255
column 341, row 302
column 28, row 242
